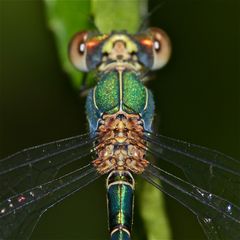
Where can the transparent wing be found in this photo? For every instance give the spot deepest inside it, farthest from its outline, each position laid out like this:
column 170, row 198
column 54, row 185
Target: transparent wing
column 22, row 173
column 38, row 164
column 20, row 213
column 220, row 218
column 207, row 169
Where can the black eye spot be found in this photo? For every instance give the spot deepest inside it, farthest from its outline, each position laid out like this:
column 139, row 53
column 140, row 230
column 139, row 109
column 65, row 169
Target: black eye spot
column 157, row 45
column 105, row 54
column 81, row 47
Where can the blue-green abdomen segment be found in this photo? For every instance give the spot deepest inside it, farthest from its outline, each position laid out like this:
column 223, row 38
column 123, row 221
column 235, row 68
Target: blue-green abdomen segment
column 120, row 198
column 120, row 188
column 120, row 234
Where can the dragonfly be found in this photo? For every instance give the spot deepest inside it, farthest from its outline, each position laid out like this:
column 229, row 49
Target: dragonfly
column 121, row 144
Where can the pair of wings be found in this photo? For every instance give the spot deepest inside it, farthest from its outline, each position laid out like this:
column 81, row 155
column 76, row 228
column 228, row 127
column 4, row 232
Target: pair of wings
column 29, row 186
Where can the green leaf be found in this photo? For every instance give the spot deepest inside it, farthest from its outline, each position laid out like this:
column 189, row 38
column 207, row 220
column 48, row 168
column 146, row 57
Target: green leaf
column 118, row 14
column 65, row 18
column 152, row 211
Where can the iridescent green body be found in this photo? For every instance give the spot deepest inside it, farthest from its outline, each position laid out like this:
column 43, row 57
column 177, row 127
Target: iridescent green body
column 120, row 188
column 120, row 91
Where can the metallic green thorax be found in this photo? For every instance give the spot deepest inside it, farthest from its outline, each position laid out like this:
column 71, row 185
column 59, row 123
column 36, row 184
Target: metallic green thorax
column 119, row 91
column 120, row 187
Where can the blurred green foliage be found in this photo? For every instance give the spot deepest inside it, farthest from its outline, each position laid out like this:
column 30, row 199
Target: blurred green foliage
column 65, row 18
column 118, row 14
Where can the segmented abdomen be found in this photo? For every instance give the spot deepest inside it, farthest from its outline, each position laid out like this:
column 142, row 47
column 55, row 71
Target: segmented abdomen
column 120, row 188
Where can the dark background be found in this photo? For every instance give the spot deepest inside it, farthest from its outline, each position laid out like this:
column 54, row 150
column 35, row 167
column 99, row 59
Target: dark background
column 197, row 99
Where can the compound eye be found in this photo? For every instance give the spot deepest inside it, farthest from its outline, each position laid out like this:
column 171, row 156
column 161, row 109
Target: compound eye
column 78, row 51
column 161, row 48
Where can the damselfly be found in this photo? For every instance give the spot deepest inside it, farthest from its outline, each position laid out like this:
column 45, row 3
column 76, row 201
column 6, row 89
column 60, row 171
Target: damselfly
column 120, row 111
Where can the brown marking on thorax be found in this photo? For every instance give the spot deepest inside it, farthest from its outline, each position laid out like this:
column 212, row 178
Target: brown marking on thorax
column 120, row 145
